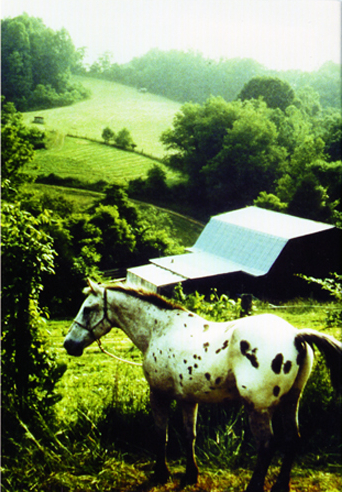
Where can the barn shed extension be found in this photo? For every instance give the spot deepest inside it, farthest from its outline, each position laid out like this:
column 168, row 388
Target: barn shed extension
column 249, row 250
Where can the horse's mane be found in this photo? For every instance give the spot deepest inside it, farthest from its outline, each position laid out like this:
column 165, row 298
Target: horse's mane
column 144, row 295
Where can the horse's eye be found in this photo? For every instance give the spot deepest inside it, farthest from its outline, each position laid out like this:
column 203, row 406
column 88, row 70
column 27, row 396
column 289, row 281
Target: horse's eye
column 86, row 311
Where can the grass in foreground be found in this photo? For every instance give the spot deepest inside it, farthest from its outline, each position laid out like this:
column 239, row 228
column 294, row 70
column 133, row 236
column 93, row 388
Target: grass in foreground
column 102, row 437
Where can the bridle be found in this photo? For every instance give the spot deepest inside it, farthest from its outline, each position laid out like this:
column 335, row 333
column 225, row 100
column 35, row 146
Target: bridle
column 105, row 317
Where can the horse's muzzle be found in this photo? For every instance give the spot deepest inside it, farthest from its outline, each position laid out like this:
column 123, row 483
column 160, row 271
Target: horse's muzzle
column 73, row 348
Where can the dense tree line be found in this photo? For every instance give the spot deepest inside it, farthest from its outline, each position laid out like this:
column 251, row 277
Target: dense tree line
column 36, row 65
column 189, row 76
column 284, row 155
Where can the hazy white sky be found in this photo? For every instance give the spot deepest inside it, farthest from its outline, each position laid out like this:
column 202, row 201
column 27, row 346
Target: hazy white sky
column 281, row 34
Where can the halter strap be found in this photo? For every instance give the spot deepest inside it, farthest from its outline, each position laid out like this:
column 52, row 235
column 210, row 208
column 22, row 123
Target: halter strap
column 98, row 341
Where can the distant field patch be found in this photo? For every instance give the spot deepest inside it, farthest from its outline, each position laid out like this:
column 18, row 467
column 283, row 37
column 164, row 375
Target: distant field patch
column 91, row 161
column 145, row 115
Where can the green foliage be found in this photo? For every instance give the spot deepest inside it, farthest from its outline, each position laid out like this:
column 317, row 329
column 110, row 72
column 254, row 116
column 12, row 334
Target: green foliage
column 332, row 285
column 270, row 202
column 217, row 307
column 29, row 372
column 275, row 92
column 124, row 139
column 16, row 148
column 153, row 188
column 36, row 64
column 108, row 134
column 229, row 151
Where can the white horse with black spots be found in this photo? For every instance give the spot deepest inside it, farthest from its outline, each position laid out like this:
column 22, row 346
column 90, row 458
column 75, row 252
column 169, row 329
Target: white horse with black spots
column 262, row 361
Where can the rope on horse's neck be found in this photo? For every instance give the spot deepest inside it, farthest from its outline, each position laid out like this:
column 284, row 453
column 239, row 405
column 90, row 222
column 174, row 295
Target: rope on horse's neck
column 115, row 357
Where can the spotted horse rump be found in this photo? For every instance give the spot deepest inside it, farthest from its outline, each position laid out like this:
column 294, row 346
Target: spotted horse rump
column 261, row 361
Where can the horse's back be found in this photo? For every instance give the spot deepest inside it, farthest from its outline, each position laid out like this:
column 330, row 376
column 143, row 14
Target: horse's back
column 264, row 359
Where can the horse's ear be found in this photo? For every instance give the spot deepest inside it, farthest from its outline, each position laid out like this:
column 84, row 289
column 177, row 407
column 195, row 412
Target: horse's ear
column 95, row 289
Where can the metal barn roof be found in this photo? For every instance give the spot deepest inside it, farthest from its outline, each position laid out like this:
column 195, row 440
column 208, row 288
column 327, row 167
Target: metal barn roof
column 247, row 240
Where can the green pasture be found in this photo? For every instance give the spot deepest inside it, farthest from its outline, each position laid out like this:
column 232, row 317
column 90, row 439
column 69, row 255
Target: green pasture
column 111, row 104
column 102, row 437
column 91, row 161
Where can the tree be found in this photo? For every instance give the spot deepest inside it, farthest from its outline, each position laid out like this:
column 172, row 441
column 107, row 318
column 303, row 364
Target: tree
column 250, row 160
column 197, row 137
column 124, row 139
column 275, row 92
column 30, row 373
column 34, row 55
column 16, row 149
column 117, row 240
column 108, row 134
column 229, row 151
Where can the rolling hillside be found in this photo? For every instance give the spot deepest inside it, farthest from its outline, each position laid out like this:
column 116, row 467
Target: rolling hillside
column 145, row 115
column 91, row 161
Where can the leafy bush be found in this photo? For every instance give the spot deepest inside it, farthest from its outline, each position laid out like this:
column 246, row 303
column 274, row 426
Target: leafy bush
column 334, row 287
column 217, row 308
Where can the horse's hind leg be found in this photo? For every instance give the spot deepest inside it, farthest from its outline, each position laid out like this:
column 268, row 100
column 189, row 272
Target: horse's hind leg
column 160, row 405
column 261, row 427
column 289, row 410
column 189, row 420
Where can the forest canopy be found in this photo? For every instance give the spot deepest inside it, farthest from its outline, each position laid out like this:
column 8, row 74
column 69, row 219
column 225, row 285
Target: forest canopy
column 36, row 65
column 189, row 76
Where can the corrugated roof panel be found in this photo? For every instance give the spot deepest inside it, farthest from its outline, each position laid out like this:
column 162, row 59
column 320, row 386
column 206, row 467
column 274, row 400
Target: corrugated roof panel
column 151, row 276
column 273, row 223
column 254, row 251
column 197, row 265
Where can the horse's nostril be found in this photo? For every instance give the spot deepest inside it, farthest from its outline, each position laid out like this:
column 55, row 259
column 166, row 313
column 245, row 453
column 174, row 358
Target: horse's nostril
column 73, row 348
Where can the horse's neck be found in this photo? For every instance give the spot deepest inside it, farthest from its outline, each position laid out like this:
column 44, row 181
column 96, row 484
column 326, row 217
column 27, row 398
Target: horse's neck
column 134, row 316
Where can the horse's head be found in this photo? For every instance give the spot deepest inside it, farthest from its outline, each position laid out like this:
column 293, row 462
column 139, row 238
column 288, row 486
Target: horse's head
column 91, row 322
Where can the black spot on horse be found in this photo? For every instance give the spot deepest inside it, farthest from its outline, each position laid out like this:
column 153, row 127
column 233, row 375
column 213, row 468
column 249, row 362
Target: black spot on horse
column 287, row 367
column 217, row 380
column 276, row 390
column 207, row 375
column 181, row 376
column 195, row 356
column 190, row 369
column 205, row 346
column 225, row 344
column 277, row 362
column 184, row 325
column 244, row 347
column 218, row 351
column 195, row 366
column 185, row 361
column 253, row 360
column 160, row 351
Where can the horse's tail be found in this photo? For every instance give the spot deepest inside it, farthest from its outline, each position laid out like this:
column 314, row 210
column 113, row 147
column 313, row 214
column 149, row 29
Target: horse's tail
column 330, row 348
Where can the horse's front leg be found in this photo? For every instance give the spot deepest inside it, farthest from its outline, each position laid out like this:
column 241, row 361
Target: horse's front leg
column 189, row 420
column 160, row 405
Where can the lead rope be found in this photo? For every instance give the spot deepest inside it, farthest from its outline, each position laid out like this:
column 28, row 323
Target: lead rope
column 116, row 357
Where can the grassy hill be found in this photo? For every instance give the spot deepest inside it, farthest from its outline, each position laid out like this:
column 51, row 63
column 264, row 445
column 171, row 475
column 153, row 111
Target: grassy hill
column 91, row 161
column 145, row 115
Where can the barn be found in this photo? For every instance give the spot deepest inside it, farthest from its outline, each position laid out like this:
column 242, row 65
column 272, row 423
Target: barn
column 249, row 250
